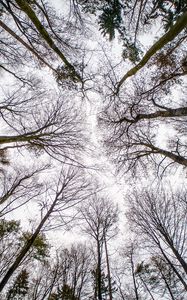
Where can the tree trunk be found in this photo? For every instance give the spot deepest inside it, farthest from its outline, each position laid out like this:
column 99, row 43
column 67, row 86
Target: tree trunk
column 20, row 40
column 99, row 277
column 27, row 247
column 45, row 35
column 147, row 288
column 133, row 276
column 180, row 24
column 108, row 269
column 168, row 113
column 173, row 267
column 177, row 255
column 176, row 158
column 167, row 285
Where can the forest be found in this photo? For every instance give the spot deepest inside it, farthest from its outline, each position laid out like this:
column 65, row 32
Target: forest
column 93, row 150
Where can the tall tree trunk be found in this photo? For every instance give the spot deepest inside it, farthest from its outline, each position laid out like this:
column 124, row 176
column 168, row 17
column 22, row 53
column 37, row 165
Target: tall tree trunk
column 147, row 288
column 179, row 257
column 168, row 113
column 167, row 285
column 176, row 158
column 133, row 276
column 28, row 47
column 180, row 24
column 45, row 35
column 99, row 276
column 108, row 269
column 173, row 267
column 27, row 247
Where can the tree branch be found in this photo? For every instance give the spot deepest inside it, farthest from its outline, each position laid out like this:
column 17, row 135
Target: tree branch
column 45, row 35
column 165, row 39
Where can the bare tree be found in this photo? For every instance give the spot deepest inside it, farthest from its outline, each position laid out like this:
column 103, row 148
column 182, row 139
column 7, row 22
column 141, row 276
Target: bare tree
column 38, row 33
column 37, row 121
column 69, row 191
column 100, row 216
column 135, row 120
column 175, row 30
column 124, row 272
column 66, row 274
column 19, row 186
column 135, row 117
column 140, row 274
column 158, row 278
column 75, row 266
column 161, row 219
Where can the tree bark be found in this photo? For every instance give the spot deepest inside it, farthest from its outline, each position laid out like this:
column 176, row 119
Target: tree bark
column 27, row 247
column 165, row 39
column 173, row 267
column 108, row 269
column 99, row 279
column 20, row 40
column 45, row 35
column 133, row 276
column 169, row 113
column 176, row 158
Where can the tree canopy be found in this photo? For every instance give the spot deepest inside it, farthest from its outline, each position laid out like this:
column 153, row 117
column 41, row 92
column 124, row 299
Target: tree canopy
column 93, row 118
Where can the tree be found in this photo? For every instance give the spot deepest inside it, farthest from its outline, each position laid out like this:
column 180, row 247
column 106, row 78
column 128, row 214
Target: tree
column 141, row 273
column 13, row 238
column 158, row 278
column 20, row 287
column 20, row 186
column 70, row 190
column 75, row 264
column 42, row 33
column 166, row 38
column 161, row 219
column 66, row 293
column 100, row 217
column 135, row 119
column 48, row 121
column 51, row 125
column 127, row 284
column 130, row 18
column 134, row 114
column 64, row 274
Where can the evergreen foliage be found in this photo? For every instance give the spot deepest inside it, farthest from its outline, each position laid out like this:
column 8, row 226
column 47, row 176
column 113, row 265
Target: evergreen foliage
column 20, row 287
column 128, row 18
